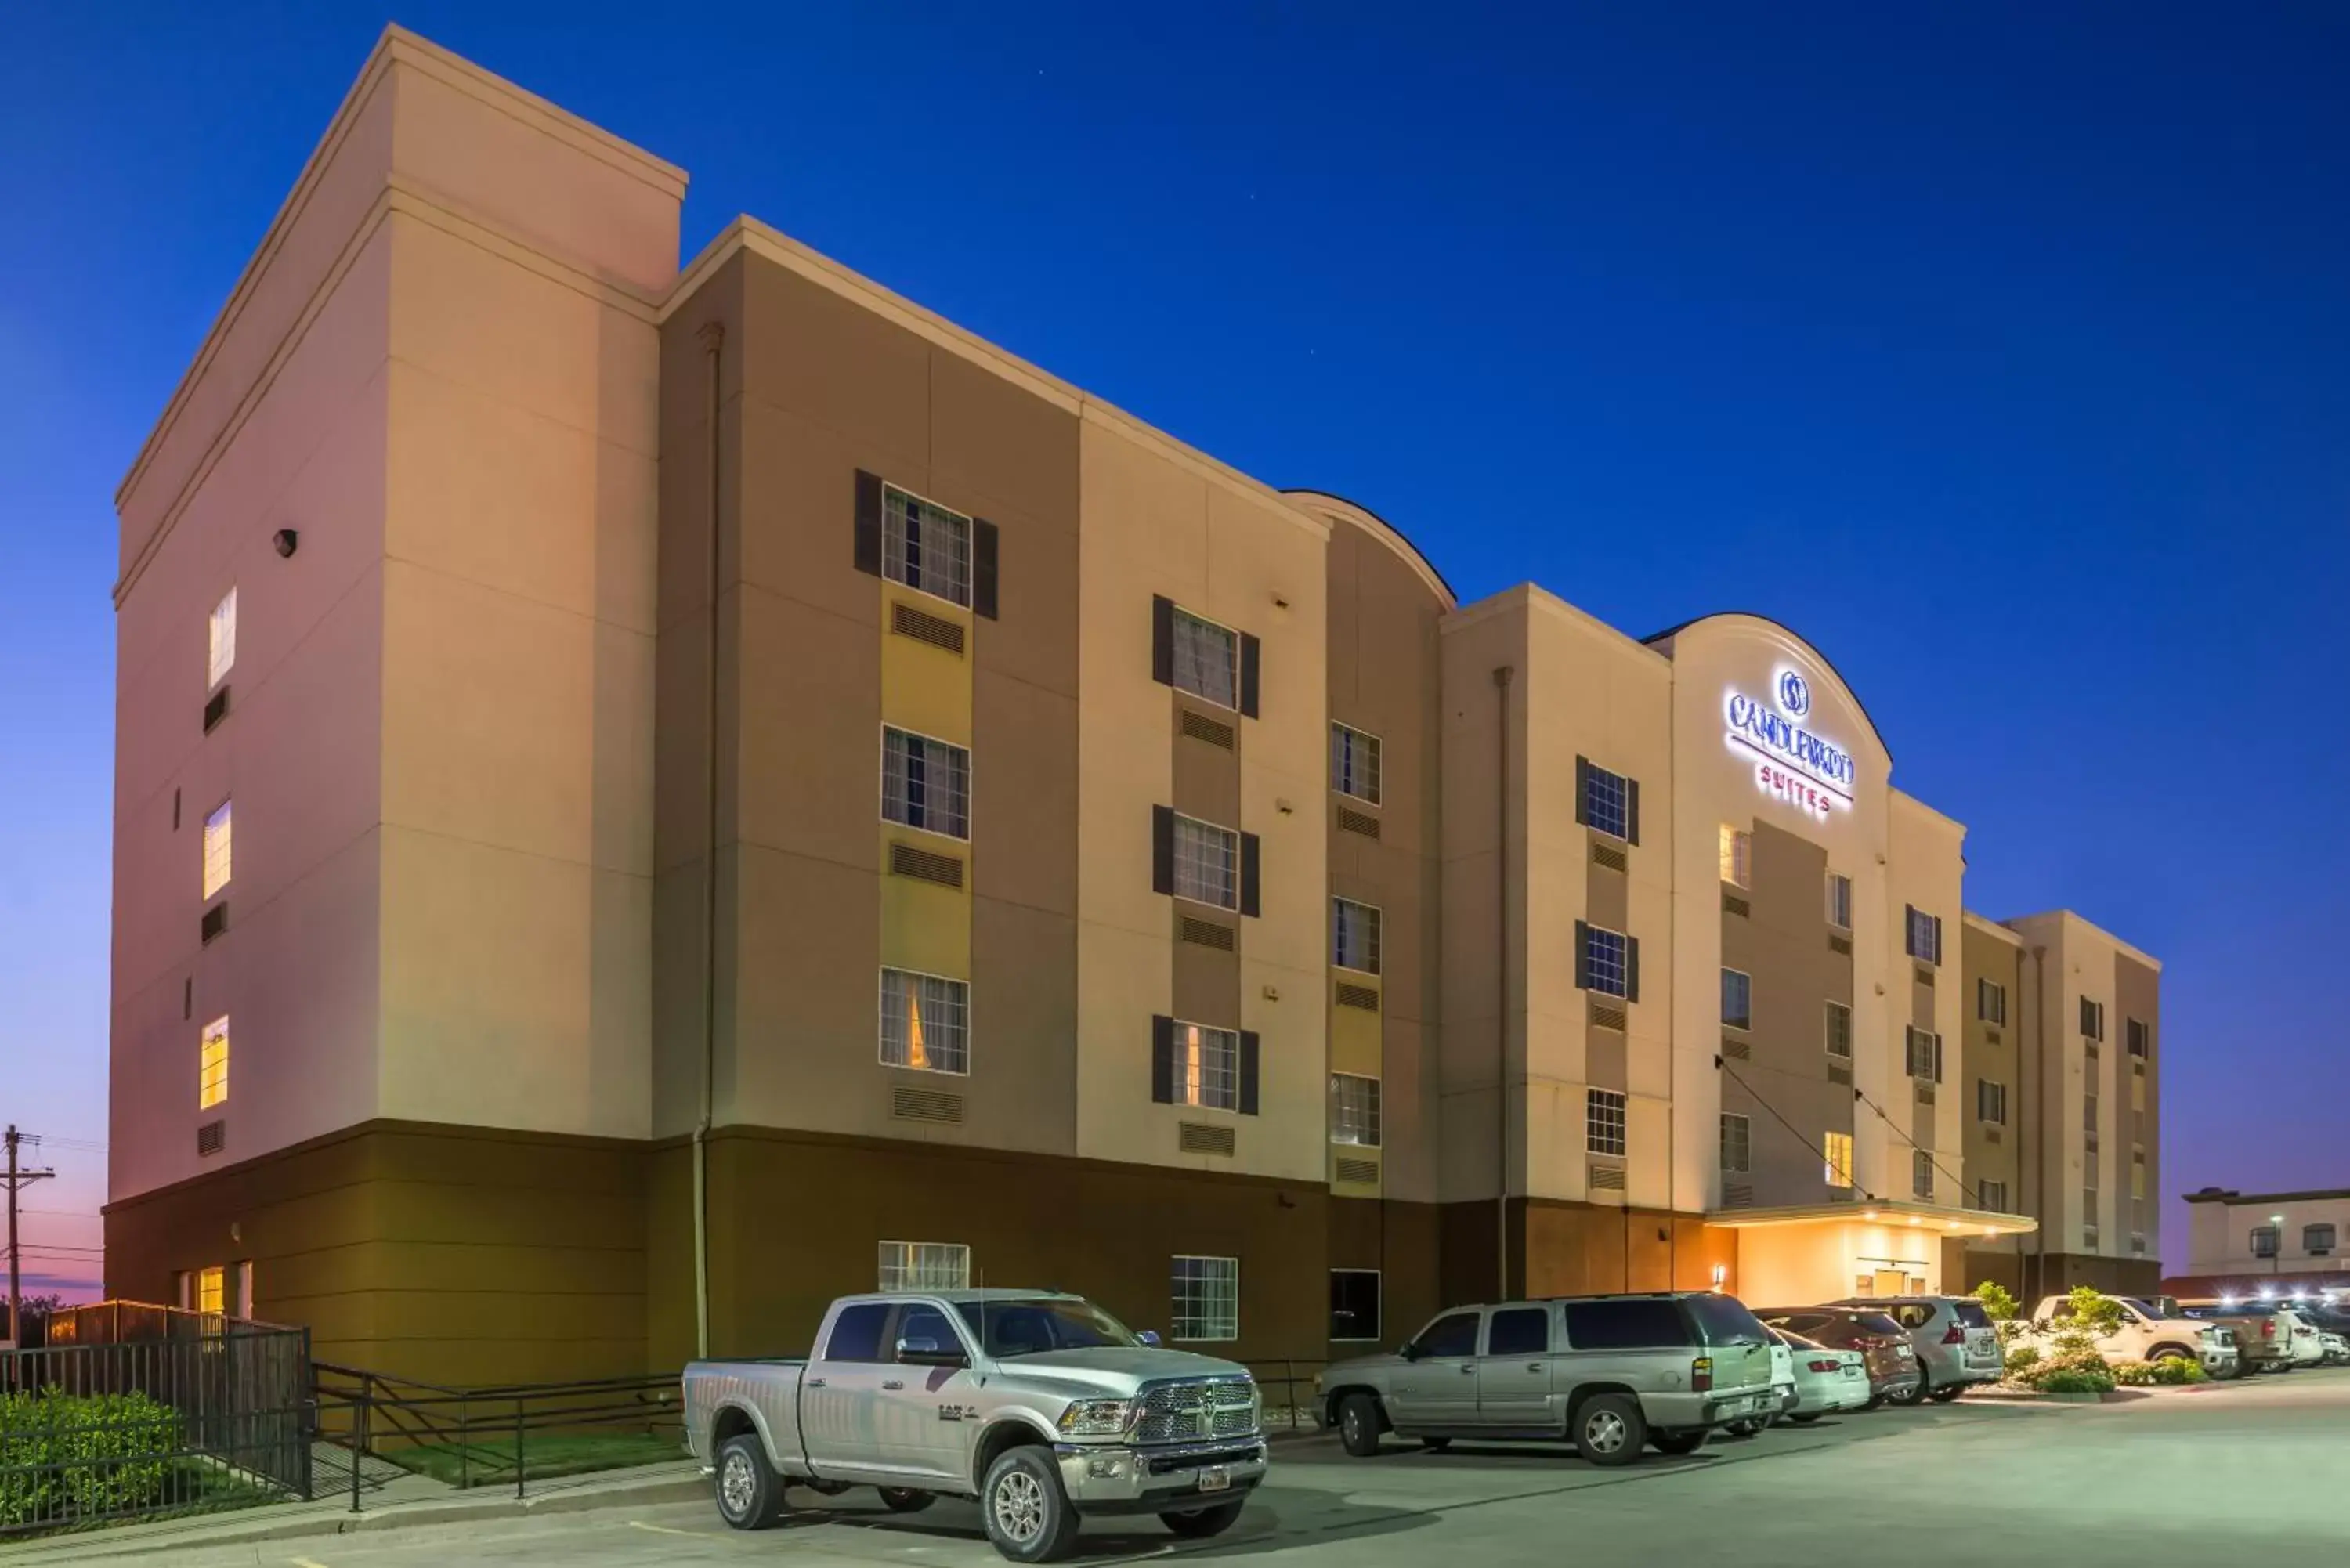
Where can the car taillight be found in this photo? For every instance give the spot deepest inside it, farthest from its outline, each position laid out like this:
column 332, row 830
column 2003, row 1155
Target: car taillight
column 1954, row 1334
column 2267, row 1328
column 1826, row 1366
column 1702, row 1374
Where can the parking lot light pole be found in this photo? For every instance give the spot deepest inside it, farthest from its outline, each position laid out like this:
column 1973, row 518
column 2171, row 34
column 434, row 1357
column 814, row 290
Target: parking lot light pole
column 2276, row 1246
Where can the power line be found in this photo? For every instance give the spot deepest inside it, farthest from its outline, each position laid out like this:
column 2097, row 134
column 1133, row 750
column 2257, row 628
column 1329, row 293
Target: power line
column 1973, row 1197
column 1792, row 1131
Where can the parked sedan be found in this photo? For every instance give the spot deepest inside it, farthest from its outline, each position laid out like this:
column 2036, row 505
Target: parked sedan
column 1826, row 1380
column 1956, row 1344
column 1884, row 1346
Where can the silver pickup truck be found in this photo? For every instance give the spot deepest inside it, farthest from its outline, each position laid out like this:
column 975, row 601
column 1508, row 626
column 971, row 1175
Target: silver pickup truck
column 1041, row 1405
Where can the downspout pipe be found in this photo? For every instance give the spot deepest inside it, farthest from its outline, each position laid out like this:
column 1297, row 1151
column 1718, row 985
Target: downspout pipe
column 1503, row 676
column 713, row 342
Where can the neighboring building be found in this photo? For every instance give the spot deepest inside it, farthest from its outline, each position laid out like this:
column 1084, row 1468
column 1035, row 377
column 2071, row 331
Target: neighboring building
column 751, row 791
column 2246, row 1242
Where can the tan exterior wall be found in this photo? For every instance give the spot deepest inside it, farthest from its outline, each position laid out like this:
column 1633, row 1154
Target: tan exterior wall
column 1994, row 1050
column 1927, row 864
column 2219, row 1233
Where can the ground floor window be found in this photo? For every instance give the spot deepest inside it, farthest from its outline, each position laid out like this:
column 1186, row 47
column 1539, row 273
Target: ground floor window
column 1207, row 1298
column 1355, row 1303
column 924, row 1266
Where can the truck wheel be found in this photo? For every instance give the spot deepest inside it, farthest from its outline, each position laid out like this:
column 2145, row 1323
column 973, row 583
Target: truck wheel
column 1678, row 1442
column 750, row 1492
column 1359, row 1424
column 906, row 1499
column 1198, row 1523
column 1947, row 1392
column 1610, row 1429
column 1028, row 1515
column 2168, row 1353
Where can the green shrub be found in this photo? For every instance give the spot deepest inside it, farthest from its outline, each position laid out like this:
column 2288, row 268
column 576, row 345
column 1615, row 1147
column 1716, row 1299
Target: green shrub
column 2134, row 1374
column 2069, row 1380
column 2022, row 1358
column 2180, row 1373
column 64, row 1457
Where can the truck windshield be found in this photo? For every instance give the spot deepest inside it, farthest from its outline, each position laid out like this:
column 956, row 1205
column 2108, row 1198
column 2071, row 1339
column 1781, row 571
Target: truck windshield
column 1008, row 1328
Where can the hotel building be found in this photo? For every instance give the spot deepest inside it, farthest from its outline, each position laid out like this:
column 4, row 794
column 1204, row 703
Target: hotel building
column 749, row 792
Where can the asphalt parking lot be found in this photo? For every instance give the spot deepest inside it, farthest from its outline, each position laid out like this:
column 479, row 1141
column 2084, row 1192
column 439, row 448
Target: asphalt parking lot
column 2199, row 1476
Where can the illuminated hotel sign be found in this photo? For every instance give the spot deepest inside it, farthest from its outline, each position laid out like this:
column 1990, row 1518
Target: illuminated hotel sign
column 1791, row 762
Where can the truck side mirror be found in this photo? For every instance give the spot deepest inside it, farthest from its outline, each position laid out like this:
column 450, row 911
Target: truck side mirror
column 1408, row 1351
column 1149, row 1336
column 927, row 1352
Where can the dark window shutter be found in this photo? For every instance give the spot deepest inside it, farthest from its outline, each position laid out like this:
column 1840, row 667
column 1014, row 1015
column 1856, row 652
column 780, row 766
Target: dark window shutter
column 1248, row 873
column 1582, row 955
column 869, row 523
column 1938, row 939
column 982, row 567
column 1162, row 1060
column 1582, row 790
column 1631, row 969
column 1162, row 849
column 1248, row 1072
column 1163, row 639
column 1909, row 929
column 1632, row 811
column 1250, row 658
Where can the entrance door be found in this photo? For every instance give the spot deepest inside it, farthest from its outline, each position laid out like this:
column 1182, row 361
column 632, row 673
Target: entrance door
column 1890, row 1283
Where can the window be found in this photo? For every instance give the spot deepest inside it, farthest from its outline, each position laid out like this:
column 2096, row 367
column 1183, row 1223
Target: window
column 1836, row 1168
column 1991, row 1102
column 212, row 1291
column 2089, row 1115
column 1207, row 1067
column 2317, row 1241
column 1453, row 1334
column 857, row 1332
column 1355, row 1303
column 1518, row 1331
column 1636, row 1323
column 2137, row 1175
column 1605, row 961
column 1839, row 1030
column 222, row 637
column 2139, row 1034
column 1207, row 1298
column 1737, row 856
column 1207, row 660
column 925, row 1022
column 1355, row 935
column 216, row 856
column 1990, row 1001
column 925, row 784
column 1603, row 1121
column 212, row 1070
column 2137, row 1091
column 2089, row 1209
column 1921, row 1174
column 1355, row 763
column 2264, row 1241
column 1606, row 802
column 1737, row 999
column 923, row 1322
column 1924, row 1053
column 925, row 546
column 1207, row 863
column 1737, row 1145
column 924, row 1266
column 1354, row 1109
column 1925, row 936
column 1992, row 1195
column 2093, row 1019
column 1839, row 901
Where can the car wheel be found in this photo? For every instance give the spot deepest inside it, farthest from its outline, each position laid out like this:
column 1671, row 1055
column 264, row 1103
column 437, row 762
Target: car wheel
column 1198, row 1523
column 1807, row 1416
column 1610, row 1429
column 1436, row 1445
column 1679, row 1442
column 1909, row 1395
column 906, row 1499
column 1944, row 1394
column 1359, row 1424
column 1028, row 1516
column 750, row 1492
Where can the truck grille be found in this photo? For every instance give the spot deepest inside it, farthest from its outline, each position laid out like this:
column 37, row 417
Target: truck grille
column 1186, row 1412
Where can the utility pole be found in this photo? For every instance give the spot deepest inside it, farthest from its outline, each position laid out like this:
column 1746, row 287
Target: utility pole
column 17, row 1179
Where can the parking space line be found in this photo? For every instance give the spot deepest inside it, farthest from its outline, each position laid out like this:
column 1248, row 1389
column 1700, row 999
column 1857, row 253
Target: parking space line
column 663, row 1529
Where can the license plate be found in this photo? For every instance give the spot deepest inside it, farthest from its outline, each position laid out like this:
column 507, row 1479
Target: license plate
column 1851, row 1372
column 1216, row 1478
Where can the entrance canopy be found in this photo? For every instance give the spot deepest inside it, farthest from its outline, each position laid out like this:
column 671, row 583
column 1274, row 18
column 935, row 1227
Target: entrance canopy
column 1805, row 1254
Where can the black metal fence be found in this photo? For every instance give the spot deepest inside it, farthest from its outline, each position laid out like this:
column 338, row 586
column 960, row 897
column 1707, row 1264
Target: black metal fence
column 1286, row 1387
column 132, row 1411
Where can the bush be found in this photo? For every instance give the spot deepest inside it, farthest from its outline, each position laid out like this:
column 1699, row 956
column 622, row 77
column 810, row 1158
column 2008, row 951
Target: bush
column 2070, row 1380
column 1997, row 1303
column 2134, row 1374
column 2022, row 1358
column 2179, row 1374
column 64, row 1457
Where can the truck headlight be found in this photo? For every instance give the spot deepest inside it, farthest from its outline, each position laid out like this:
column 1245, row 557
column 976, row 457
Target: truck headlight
column 1097, row 1417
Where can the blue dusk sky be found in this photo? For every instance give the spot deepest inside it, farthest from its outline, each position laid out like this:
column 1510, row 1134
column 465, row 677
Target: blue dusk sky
column 2002, row 351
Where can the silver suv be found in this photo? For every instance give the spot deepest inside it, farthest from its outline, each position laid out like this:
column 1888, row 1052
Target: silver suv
column 1609, row 1373
column 1956, row 1342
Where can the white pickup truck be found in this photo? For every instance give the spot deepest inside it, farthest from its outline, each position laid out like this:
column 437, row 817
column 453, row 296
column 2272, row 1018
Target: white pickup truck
column 2142, row 1335
column 1041, row 1405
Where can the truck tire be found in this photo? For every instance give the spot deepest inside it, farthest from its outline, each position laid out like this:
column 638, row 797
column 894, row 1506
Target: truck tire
column 2170, row 1353
column 1610, row 1429
column 906, row 1498
column 750, row 1493
column 1028, row 1516
column 1198, row 1524
column 1359, row 1424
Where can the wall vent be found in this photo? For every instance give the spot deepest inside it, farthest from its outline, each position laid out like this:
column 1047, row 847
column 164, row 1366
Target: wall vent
column 1606, row 1017
column 2137, row 1245
column 1204, row 933
column 1355, row 1172
column 905, row 860
column 1606, row 1178
column 1363, row 996
column 1737, row 1049
column 1991, row 1035
column 1737, row 1195
column 2089, row 1049
column 924, row 626
column 211, row 1138
column 909, row 1104
column 1840, row 945
column 2089, row 1142
column 215, row 709
column 1925, row 974
column 1839, row 1073
column 1924, row 1091
column 1731, row 904
column 1199, row 727
column 215, row 920
column 1610, row 857
column 1994, row 1134
column 1198, row 1137
column 1362, row 822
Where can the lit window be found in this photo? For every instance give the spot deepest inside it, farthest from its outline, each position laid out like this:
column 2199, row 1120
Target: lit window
column 926, row 547
column 1993, row 1194
column 1355, row 935
column 211, row 1288
column 216, row 856
column 1737, row 1146
column 1355, row 763
column 2139, row 1033
column 1207, row 1067
column 212, row 1071
column 1737, row 857
column 1354, row 1110
column 925, row 1022
column 1924, row 936
column 1839, row 1030
column 1991, row 1102
column 1207, row 1298
column 925, row 784
column 1606, row 962
column 1839, row 901
column 1837, row 1163
column 1737, row 999
column 1207, row 863
column 2093, row 1019
column 1990, row 1001
column 1921, row 1174
column 1607, row 801
column 222, row 639
column 1207, row 660
column 925, row 1266
column 1924, row 1054
column 1603, row 1121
